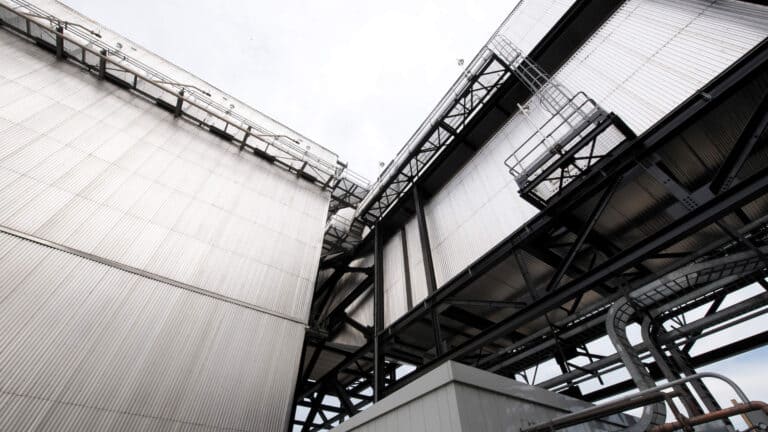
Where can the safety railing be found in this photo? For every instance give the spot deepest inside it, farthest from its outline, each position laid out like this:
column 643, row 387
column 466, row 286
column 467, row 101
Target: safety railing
column 552, row 95
column 553, row 138
column 78, row 43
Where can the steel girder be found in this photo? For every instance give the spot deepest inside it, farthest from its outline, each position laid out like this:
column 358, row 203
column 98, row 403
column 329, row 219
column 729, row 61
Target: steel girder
column 621, row 165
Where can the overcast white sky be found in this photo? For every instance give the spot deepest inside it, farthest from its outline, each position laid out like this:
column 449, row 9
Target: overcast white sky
column 355, row 76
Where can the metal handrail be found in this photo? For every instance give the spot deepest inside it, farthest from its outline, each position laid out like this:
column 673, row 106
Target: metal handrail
column 567, row 420
column 515, row 161
column 88, row 41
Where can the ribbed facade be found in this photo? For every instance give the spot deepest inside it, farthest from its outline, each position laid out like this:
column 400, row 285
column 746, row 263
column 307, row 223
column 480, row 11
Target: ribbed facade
column 684, row 45
column 153, row 276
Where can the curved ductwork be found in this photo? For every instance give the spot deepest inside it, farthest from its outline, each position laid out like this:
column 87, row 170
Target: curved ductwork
column 668, row 292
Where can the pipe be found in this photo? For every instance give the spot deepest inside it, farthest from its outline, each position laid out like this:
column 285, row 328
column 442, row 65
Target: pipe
column 714, row 416
column 648, row 331
column 659, row 296
column 655, row 390
column 619, row 316
column 600, row 411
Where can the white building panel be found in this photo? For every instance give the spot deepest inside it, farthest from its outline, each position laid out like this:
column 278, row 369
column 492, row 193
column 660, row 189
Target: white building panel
column 531, row 20
column 149, row 178
column 685, row 44
column 395, row 304
column 88, row 347
column 478, row 207
column 415, row 261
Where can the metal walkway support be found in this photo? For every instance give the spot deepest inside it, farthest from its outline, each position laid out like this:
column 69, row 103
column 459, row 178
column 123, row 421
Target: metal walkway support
column 577, row 133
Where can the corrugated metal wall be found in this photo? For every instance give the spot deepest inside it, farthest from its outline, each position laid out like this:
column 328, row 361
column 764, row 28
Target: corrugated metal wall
column 415, row 261
column 477, row 207
column 644, row 61
column 179, row 242
column 480, row 205
column 86, row 346
column 531, row 21
column 92, row 167
column 653, row 54
column 649, row 57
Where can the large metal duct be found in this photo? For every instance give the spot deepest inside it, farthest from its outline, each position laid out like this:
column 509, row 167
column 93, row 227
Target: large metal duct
column 667, row 292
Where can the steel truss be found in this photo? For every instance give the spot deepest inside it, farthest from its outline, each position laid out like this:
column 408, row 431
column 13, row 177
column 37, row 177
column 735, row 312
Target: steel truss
column 480, row 82
column 564, row 235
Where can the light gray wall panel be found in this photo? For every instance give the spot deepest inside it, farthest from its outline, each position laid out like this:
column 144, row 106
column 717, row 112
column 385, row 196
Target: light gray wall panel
column 531, row 21
column 102, row 171
column 395, row 304
column 479, row 206
column 415, row 261
column 86, row 346
column 436, row 411
column 684, row 44
column 456, row 397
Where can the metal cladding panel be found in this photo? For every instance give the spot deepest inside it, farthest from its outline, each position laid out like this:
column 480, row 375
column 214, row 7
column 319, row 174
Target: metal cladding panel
column 435, row 411
column 163, row 68
column 683, row 45
column 395, row 301
column 110, row 174
column 531, row 20
column 479, row 207
column 86, row 346
column 415, row 261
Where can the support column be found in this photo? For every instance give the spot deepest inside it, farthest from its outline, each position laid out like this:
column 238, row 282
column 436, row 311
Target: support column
column 406, row 270
column 102, row 64
column 429, row 268
column 378, row 314
column 60, row 43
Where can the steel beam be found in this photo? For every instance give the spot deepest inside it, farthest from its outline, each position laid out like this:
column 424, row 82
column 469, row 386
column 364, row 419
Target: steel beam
column 406, row 270
column 739, row 195
column 704, row 359
column 378, row 314
column 429, row 268
column 754, row 132
column 589, row 225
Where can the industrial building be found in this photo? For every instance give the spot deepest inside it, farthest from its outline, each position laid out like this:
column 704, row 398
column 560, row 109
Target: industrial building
column 574, row 232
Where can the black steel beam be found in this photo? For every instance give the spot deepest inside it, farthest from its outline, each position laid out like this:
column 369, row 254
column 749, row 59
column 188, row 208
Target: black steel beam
column 426, row 249
column 378, row 314
column 406, row 270
column 704, row 359
column 741, row 194
column 429, row 268
column 754, row 132
column 590, row 223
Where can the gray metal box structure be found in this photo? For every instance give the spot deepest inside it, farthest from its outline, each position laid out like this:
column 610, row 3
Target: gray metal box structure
column 455, row 397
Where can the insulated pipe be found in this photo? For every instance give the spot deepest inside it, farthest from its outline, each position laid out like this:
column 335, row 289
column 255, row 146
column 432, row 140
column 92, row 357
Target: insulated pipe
column 691, row 405
column 654, row 294
column 714, row 416
column 600, row 411
column 554, row 424
column 619, row 316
